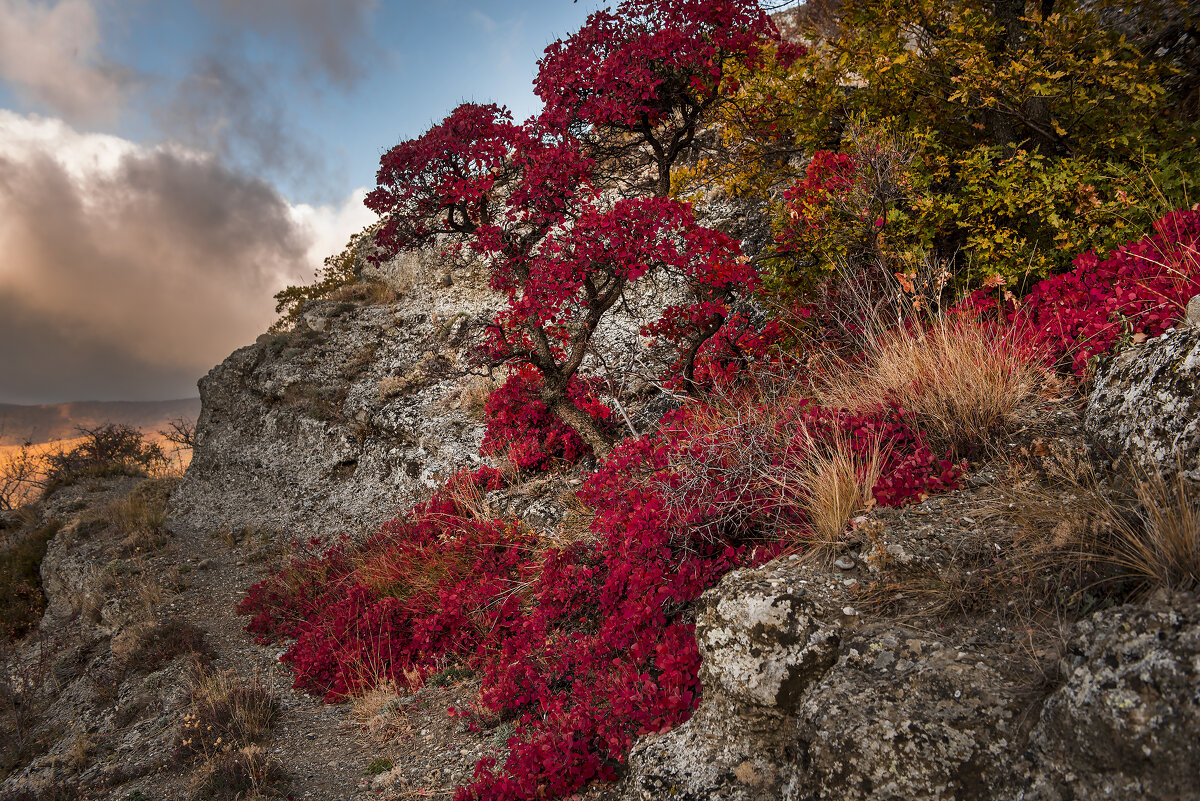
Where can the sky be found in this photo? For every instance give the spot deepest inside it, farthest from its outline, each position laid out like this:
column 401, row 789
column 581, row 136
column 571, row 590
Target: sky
column 166, row 166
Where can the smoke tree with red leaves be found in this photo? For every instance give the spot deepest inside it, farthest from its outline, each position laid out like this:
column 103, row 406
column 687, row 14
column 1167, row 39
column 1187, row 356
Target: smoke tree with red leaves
column 646, row 77
column 527, row 197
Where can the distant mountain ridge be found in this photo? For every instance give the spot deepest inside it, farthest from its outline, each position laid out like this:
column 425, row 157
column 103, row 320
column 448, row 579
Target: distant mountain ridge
column 46, row 423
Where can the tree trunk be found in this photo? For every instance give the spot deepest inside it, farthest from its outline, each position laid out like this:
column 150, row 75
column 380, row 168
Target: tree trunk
column 581, row 421
column 1009, row 14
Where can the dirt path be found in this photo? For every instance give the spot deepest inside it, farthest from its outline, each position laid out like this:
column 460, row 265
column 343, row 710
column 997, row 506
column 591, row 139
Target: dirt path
column 321, row 750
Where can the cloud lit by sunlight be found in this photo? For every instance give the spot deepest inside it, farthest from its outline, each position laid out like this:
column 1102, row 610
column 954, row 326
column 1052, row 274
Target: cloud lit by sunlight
column 139, row 267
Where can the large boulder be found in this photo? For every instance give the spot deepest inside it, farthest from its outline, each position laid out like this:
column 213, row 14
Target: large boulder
column 1126, row 724
column 1145, row 409
column 765, row 636
column 803, row 702
column 804, row 699
column 342, row 422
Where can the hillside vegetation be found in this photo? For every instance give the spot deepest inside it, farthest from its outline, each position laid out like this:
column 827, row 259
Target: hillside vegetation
column 968, row 206
column 876, row 256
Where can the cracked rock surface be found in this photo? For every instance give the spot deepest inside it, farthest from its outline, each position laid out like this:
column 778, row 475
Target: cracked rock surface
column 1145, row 408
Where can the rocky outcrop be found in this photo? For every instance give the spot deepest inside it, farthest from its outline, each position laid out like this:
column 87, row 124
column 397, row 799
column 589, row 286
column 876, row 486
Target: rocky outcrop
column 1124, row 725
column 337, row 425
column 804, row 701
column 1145, row 409
column 801, row 701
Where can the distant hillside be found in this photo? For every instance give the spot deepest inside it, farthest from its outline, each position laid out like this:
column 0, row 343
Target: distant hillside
column 59, row 421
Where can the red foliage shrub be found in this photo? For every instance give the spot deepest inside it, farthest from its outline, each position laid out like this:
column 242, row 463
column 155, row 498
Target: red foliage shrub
column 522, row 429
column 599, row 649
column 639, row 65
column 1141, row 287
column 643, row 78
column 806, row 204
column 429, row 584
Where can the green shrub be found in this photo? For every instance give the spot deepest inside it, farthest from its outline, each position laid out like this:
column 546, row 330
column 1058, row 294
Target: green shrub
column 21, row 599
column 1027, row 138
column 379, row 765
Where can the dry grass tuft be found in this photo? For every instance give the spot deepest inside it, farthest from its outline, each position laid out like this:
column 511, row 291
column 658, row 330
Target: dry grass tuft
column 367, row 291
column 838, row 486
column 1063, row 505
column 226, row 712
column 404, row 573
column 1163, row 545
column 140, row 517
column 965, row 381
column 247, row 773
column 378, row 709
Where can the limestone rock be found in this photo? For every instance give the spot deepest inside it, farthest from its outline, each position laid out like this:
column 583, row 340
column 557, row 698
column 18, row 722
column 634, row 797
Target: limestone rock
column 725, row 751
column 801, row 702
column 904, row 715
column 1124, row 726
column 358, row 413
column 340, row 424
column 764, row 637
column 1145, row 407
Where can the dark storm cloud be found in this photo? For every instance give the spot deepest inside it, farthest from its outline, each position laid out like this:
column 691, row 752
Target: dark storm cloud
column 131, row 282
column 333, row 36
column 235, row 108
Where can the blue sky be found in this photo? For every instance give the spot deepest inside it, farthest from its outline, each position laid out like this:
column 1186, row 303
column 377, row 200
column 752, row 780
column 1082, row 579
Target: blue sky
column 167, row 165
column 393, row 69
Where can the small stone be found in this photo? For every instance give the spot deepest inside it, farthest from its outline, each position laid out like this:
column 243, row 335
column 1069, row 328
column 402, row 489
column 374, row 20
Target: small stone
column 849, row 611
column 844, row 563
column 980, row 479
column 1193, row 311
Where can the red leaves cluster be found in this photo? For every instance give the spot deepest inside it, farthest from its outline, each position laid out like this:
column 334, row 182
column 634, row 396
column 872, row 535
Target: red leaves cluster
column 1140, row 288
column 430, row 584
column 636, row 66
column 521, row 428
column 806, row 204
column 598, row 648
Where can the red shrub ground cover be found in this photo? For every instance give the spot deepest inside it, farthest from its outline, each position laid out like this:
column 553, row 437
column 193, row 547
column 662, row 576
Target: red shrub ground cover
column 1140, row 288
column 584, row 648
column 523, row 430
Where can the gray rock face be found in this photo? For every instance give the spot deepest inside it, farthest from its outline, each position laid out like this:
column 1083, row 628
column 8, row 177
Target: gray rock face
column 355, row 415
column 1126, row 725
column 802, row 702
column 1192, row 316
column 907, row 716
column 765, row 636
column 766, row 643
column 340, row 424
column 1145, row 407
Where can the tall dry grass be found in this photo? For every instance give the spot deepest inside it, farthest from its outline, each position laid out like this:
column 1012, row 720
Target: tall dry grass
column 965, row 381
column 754, row 465
column 838, row 484
column 1163, row 545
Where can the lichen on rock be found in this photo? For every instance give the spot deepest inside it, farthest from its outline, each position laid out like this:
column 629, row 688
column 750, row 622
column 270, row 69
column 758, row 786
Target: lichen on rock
column 1145, row 409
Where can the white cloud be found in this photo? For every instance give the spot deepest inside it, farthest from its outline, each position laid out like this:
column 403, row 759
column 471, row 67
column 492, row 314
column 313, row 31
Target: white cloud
column 50, row 54
column 160, row 259
column 329, row 227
